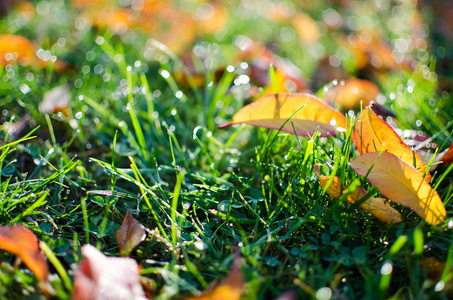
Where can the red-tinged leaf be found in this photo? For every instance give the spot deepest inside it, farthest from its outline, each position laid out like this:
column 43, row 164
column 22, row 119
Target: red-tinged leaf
column 308, row 114
column 352, row 93
column 229, row 289
column 130, row 234
column 378, row 207
column 371, row 134
column 23, row 243
column 102, row 277
column 401, row 183
column 447, row 157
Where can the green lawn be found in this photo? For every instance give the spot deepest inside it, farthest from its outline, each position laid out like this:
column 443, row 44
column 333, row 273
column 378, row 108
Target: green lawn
column 133, row 124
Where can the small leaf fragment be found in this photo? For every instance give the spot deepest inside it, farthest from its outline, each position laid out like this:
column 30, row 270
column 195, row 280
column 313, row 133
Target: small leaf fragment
column 229, row 289
column 378, row 207
column 371, row 134
column 306, row 114
column 130, row 234
column 102, row 277
column 23, row 243
column 447, row 157
column 401, row 183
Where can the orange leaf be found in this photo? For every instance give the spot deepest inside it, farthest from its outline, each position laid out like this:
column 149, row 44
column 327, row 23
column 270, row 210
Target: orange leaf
column 447, row 158
column 18, row 47
column 401, row 183
column 130, row 234
column 280, row 83
column 371, row 134
column 350, row 94
column 23, row 243
column 229, row 289
column 308, row 114
column 378, row 207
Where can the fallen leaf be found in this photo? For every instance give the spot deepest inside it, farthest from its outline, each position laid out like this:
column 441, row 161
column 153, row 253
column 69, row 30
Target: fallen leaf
column 23, row 243
column 56, row 100
column 308, row 114
column 447, row 157
column 375, row 54
column 130, row 234
column 371, row 134
column 210, row 17
column 259, row 58
column 229, row 289
column 306, row 29
column 378, row 207
column 16, row 48
column 280, row 84
column 102, row 277
column 401, row 183
column 353, row 92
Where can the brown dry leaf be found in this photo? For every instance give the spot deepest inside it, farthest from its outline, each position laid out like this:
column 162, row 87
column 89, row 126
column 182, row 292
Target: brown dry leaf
column 229, row 289
column 130, row 234
column 378, row 207
column 401, row 183
column 434, row 269
column 371, row 134
column 308, row 115
column 102, row 277
column 23, row 243
column 352, row 93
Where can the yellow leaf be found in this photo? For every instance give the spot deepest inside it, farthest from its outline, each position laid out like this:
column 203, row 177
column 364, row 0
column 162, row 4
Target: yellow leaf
column 23, row 243
column 308, row 114
column 130, row 234
column 306, row 29
column 401, row 183
column 378, row 207
column 371, row 134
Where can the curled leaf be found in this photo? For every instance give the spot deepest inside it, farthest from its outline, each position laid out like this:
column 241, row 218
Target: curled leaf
column 130, row 234
column 371, row 134
column 23, row 243
column 401, row 183
column 378, row 207
column 102, row 277
column 306, row 114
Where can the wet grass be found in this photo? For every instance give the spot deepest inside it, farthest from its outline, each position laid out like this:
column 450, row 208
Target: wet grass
column 135, row 136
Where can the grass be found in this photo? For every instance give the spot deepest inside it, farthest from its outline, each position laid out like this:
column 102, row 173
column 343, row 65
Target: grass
column 137, row 137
